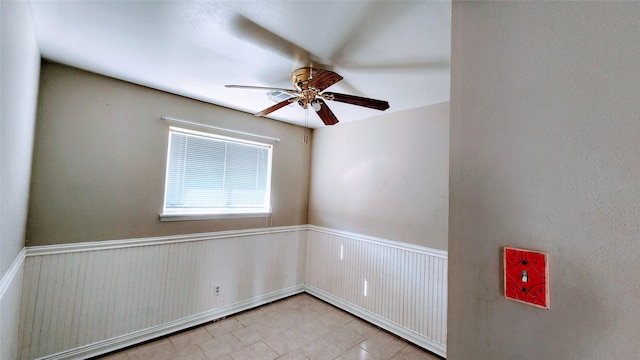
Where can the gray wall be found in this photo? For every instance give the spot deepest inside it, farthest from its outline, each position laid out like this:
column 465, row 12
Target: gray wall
column 100, row 156
column 545, row 155
column 19, row 71
column 386, row 176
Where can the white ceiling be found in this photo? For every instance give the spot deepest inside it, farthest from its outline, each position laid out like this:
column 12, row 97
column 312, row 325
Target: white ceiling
column 397, row 51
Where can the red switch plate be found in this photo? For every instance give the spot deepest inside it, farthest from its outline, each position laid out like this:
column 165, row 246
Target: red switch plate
column 526, row 277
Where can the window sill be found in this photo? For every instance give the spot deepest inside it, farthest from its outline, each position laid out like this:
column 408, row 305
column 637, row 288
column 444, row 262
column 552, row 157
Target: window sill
column 188, row 217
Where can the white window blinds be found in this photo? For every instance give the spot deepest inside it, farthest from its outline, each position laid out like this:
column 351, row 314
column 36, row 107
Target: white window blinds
column 210, row 174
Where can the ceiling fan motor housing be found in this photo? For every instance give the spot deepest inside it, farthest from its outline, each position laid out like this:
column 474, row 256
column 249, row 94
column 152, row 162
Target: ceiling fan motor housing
column 301, row 77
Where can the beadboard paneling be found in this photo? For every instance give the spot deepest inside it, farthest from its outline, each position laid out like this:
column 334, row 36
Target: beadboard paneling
column 406, row 285
column 10, row 294
column 82, row 301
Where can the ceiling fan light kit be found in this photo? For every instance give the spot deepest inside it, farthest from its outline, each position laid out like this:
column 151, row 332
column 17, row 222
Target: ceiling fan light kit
column 309, row 84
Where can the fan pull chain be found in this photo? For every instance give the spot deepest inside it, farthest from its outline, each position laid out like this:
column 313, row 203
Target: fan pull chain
column 305, row 137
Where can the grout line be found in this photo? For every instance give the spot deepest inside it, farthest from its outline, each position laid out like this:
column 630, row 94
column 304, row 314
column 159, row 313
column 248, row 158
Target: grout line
column 261, row 307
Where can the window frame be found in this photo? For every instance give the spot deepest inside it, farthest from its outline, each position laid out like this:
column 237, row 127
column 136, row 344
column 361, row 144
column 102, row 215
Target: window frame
column 224, row 213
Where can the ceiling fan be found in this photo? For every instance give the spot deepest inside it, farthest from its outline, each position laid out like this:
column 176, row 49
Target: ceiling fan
column 309, row 84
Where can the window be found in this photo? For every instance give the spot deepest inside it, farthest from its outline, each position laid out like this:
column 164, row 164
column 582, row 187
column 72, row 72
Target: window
column 211, row 176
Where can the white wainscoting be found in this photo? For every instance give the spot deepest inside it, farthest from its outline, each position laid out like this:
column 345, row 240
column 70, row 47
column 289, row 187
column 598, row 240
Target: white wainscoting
column 88, row 299
column 83, row 300
column 10, row 294
column 406, row 285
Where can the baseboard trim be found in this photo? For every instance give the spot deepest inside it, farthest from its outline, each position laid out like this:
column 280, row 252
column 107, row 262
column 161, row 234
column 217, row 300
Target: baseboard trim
column 120, row 342
column 392, row 327
column 123, row 341
column 8, row 276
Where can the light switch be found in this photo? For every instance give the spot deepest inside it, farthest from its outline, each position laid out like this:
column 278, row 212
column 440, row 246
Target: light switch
column 526, row 276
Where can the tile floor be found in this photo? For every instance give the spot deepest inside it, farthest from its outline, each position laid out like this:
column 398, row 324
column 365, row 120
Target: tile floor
column 300, row 327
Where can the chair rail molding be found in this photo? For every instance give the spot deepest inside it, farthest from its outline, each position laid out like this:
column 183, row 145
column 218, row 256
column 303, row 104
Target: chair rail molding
column 86, row 299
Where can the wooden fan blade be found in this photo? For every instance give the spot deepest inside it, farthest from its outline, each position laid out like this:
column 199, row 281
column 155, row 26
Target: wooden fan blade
column 322, row 79
column 376, row 19
column 275, row 107
column 289, row 91
column 268, row 40
column 325, row 114
column 357, row 100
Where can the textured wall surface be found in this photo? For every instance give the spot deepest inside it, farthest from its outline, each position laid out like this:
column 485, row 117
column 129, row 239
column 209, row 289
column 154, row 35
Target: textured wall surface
column 100, row 158
column 386, row 176
column 18, row 98
column 545, row 122
column 19, row 71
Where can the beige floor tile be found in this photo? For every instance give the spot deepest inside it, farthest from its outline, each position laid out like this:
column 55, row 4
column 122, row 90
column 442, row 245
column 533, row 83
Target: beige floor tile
column 192, row 352
column 286, row 318
column 221, row 346
column 277, row 307
column 190, row 337
column 320, row 307
column 280, row 317
column 383, row 345
column 251, row 317
column 285, row 341
column 252, row 333
column 160, row 349
column 257, row 351
column 363, row 328
column 413, row 353
column 224, row 326
column 294, row 355
column 314, row 327
column 309, row 303
column 357, row 353
column 345, row 337
column 335, row 318
column 297, row 328
column 321, row 349
column 117, row 356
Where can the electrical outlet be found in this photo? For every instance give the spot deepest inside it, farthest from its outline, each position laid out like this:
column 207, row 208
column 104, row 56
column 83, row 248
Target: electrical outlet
column 526, row 277
column 217, row 289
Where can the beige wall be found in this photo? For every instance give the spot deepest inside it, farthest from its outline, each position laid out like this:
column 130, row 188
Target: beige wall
column 545, row 154
column 100, row 155
column 386, row 176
